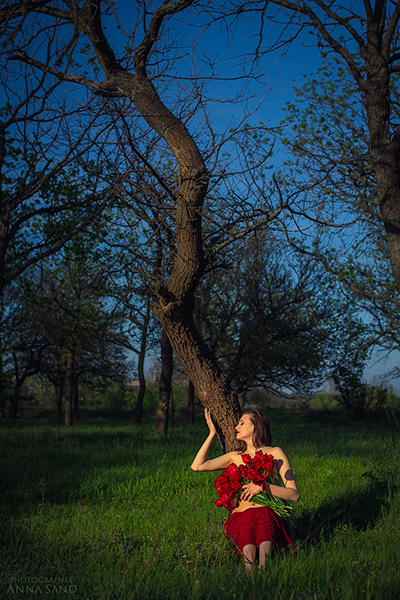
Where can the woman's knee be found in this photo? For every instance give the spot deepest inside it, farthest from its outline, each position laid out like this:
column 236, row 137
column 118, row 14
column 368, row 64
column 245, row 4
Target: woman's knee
column 249, row 553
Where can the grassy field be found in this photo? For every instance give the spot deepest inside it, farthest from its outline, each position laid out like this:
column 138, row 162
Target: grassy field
column 106, row 510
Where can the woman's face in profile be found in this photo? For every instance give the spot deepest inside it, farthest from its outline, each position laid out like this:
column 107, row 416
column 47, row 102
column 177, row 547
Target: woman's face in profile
column 245, row 428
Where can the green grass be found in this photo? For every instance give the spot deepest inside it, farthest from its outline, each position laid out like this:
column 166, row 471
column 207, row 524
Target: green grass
column 114, row 512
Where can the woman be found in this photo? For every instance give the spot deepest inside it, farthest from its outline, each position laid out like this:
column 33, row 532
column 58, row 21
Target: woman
column 250, row 525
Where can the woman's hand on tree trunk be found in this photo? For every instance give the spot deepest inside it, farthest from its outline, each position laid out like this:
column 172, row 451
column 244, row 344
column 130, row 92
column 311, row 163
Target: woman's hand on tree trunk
column 209, row 421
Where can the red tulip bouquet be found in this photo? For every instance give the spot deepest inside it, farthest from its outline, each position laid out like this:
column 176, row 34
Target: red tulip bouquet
column 259, row 471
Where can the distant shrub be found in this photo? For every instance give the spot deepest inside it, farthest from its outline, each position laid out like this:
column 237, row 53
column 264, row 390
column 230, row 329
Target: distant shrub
column 152, row 392
column 362, row 399
column 115, row 396
column 151, row 396
column 355, row 396
column 39, row 391
column 393, row 399
column 180, row 396
column 323, row 400
column 110, row 395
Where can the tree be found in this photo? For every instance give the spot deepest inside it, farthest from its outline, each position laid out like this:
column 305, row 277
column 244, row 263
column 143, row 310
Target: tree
column 45, row 199
column 354, row 395
column 129, row 77
column 136, row 332
column 68, row 310
column 275, row 319
column 165, row 390
column 367, row 44
column 329, row 136
column 347, row 379
column 348, row 139
column 51, row 189
column 26, row 346
column 141, row 359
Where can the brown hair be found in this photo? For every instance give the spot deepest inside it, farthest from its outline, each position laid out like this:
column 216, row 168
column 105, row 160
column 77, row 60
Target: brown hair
column 262, row 430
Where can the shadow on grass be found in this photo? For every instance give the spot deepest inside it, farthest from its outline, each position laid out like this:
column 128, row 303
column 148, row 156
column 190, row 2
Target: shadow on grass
column 46, row 464
column 360, row 509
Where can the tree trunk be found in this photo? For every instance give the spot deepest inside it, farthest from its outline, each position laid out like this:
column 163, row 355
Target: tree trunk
column 14, row 402
column 211, row 386
column 172, row 406
column 58, row 393
column 174, row 308
column 76, row 399
column 4, row 222
column 190, row 404
column 167, row 366
column 142, row 355
column 175, row 298
column 140, row 398
column 69, row 391
column 384, row 150
column 16, row 391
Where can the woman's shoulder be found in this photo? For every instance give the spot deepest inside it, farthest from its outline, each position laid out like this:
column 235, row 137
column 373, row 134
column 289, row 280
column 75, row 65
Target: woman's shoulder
column 234, row 453
column 235, row 457
column 276, row 451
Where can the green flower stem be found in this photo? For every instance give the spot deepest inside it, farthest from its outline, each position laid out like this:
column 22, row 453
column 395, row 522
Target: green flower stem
column 280, row 506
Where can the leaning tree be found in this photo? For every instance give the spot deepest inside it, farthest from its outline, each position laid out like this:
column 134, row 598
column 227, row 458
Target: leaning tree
column 133, row 75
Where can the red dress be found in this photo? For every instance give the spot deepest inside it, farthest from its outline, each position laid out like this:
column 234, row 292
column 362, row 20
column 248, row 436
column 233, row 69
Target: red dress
column 256, row 525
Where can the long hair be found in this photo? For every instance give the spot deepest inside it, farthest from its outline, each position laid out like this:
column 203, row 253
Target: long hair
column 262, row 430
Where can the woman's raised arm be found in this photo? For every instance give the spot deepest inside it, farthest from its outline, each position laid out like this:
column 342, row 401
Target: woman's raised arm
column 201, row 463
